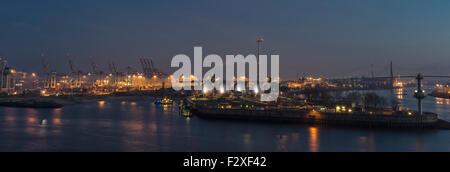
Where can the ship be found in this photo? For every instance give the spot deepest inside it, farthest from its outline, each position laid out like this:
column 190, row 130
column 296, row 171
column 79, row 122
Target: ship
column 341, row 116
column 442, row 91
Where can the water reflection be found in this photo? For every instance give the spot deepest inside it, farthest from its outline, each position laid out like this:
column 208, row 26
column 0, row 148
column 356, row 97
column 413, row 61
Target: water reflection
column 247, row 139
column 56, row 121
column 31, row 111
column 188, row 119
column 439, row 101
column 10, row 115
column 399, row 93
column 57, row 111
column 166, row 107
column 153, row 127
column 57, row 116
column 32, row 121
column 367, row 143
column 313, row 139
column 420, row 143
column 44, row 123
column 101, row 104
column 282, row 143
column 144, row 127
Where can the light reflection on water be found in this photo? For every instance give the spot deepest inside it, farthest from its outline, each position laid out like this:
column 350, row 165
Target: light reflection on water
column 57, row 116
column 313, row 139
column 399, row 93
column 144, row 126
column 282, row 143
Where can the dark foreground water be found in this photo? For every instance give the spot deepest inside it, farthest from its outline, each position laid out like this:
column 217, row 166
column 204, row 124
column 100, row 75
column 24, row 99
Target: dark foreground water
column 141, row 126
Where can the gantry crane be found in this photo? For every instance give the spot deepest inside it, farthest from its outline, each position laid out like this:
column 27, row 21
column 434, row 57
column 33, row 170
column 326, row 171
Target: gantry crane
column 97, row 72
column 74, row 73
column 149, row 69
column 3, row 64
column 50, row 76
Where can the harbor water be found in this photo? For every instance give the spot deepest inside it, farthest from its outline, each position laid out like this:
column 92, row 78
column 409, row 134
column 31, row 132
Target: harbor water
column 144, row 126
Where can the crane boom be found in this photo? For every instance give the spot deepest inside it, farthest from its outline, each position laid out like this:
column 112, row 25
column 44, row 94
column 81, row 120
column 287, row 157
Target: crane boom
column 94, row 66
column 112, row 67
column 45, row 65
column 71, row 65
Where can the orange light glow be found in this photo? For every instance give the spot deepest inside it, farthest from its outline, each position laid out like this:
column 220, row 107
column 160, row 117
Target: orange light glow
column 31, row 120
column 101, row 104
column 313, row 140
column 398, row 84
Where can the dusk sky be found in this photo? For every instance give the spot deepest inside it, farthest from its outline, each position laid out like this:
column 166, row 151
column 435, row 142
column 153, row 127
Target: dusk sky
column 335, row 38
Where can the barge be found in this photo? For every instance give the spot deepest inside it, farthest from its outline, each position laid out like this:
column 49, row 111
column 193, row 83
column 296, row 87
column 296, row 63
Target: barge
column 380, row 119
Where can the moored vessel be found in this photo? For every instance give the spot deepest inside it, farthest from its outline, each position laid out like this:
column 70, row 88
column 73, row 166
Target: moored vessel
column 381, row 118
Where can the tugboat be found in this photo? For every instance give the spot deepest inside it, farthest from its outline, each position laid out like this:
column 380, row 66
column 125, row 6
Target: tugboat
column 165, row 101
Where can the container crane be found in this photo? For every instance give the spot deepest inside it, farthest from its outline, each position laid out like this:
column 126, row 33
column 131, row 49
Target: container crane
column 149, row 68
column 95, row 67
column 3, row 64
column 50, row 76
column 97, row 72
column 74, row 73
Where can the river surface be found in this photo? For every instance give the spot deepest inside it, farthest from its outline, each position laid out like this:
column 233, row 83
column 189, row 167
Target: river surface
column 143, row 126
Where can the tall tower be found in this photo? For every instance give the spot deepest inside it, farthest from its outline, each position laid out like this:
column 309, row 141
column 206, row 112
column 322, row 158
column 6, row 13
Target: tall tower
column 392, row 71
column 259, row 42
column 419, row 93
column 3, row 74
column 392, row 76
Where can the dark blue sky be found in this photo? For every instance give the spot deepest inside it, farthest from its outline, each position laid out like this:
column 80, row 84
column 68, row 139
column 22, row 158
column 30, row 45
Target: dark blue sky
column 318, row 37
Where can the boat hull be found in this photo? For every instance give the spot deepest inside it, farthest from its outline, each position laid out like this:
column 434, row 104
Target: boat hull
column 314, row 117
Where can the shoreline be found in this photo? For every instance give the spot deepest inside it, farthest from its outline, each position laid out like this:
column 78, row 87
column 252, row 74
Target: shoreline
column 72, row 100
